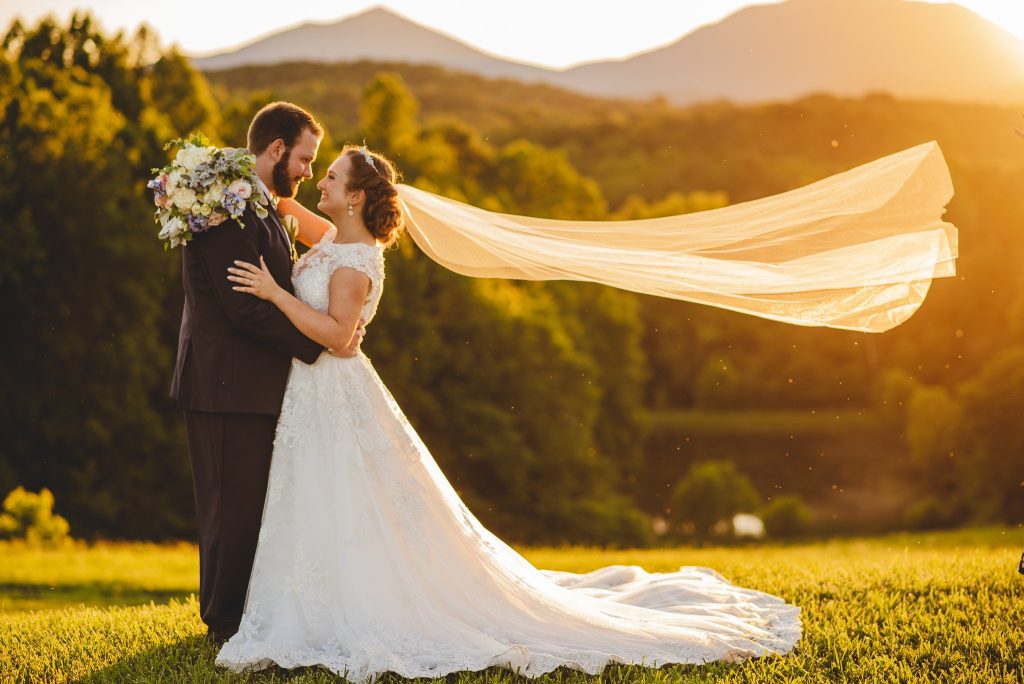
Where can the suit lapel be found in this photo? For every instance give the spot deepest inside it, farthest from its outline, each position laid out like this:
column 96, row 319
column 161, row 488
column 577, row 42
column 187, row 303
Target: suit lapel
column 282, row 275
column 273, row 218
column 280, row 229
column 278, row 257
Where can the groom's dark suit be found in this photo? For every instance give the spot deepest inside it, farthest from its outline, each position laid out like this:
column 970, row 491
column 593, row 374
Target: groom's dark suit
column 234, row 352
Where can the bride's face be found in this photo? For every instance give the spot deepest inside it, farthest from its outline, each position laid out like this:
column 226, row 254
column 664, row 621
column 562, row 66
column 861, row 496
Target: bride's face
column 334, row 196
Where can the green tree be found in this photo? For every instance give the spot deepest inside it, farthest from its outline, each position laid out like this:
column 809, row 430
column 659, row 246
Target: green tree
column 720, row 384
column 530, row 179
column 605, row 326
column 991, row 465
column 786, row 516
column 707, row 498
column 673, row 204
column 181, row 94
column 932, row 431
column 388, row 115
column 86, row 285
column 30, row 516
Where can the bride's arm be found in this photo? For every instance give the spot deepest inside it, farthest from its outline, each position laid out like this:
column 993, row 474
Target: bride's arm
column 348, row 290
column 311, row 226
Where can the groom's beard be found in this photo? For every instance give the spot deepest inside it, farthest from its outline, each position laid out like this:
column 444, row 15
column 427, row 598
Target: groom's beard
column 284, row 185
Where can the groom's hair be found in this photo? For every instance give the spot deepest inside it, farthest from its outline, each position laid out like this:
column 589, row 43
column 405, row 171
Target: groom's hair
column 280, row 120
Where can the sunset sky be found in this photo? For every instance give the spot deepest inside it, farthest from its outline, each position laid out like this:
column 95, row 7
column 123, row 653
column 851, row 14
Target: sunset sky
column 528, row 30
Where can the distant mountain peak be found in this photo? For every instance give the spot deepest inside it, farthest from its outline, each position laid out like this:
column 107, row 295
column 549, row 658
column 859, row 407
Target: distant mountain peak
column 377, row 12
column 785, row 50
column 378, row 9
column 761, row 52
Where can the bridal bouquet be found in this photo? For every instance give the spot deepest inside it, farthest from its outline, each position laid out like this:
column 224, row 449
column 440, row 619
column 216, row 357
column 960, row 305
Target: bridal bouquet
column 202, row 188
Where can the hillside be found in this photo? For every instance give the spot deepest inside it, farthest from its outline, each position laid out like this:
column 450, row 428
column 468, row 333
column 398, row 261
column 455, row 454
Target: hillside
column 652, row 147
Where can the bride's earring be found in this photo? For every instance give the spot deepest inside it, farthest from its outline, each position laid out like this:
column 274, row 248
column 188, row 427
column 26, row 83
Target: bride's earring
column 350, row 212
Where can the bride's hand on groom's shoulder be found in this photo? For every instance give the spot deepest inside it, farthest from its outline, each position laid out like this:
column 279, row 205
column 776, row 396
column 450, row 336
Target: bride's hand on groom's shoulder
column 254, row 280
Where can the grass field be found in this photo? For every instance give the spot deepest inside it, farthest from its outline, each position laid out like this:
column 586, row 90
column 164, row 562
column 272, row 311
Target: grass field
column 943, row 607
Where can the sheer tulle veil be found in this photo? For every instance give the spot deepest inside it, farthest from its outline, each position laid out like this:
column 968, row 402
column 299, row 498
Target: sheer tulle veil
column 856, row 250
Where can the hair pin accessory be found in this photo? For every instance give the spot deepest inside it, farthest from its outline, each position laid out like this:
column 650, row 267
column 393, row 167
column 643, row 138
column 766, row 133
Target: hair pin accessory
column 368, row 157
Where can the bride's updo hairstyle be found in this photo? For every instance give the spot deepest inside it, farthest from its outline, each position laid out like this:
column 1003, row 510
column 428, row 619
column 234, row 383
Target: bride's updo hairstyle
column 376, row 176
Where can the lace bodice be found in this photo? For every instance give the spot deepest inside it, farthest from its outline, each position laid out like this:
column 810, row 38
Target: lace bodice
column 311, row 274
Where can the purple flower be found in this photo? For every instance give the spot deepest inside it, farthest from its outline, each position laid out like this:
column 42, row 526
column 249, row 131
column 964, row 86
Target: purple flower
column 234, row 204
column 197, row 224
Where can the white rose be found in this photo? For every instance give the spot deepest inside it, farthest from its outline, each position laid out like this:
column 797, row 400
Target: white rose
column 190, row 157
column 215, row 194
column 206, row 210
column 197, row 209
column 184, row 198
column 173, row 179
column 183, row 158
column 241, row 188
column 171, row 228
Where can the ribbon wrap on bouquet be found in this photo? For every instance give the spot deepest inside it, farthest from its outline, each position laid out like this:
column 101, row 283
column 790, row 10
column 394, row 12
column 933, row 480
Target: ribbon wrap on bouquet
column 857, row 250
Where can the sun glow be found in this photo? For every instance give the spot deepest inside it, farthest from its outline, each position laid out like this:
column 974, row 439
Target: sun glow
column 1007, row 14
column 1000, row 14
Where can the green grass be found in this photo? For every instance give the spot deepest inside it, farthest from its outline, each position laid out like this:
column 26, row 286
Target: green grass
column 95, row 575
column 943, row 607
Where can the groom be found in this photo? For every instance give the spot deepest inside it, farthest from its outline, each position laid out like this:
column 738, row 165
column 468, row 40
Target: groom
column 234, row 353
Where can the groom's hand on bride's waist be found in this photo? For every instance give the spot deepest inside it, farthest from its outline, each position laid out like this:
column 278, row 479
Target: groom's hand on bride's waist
column 353, row 347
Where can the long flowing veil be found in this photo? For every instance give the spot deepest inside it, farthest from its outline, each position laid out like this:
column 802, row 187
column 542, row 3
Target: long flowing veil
column 857, row 250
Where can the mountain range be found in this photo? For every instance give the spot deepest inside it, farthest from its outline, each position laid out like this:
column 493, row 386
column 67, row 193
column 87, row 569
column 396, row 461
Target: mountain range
column 759, row 53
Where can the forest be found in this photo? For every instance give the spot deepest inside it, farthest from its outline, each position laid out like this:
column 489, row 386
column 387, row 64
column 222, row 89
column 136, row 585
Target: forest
column 561, row 412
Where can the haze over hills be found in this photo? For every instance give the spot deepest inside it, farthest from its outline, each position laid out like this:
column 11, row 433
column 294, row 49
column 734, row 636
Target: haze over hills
column 759, row 53
column 846, row 47
column 376, row 34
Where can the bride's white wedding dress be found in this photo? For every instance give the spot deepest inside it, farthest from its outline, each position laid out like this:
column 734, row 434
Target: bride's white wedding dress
column 368, row 561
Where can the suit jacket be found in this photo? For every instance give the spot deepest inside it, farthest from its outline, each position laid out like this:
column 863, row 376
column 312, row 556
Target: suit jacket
column 234, row 349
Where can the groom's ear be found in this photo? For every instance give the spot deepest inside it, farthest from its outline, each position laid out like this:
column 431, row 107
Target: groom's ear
column 277, row 149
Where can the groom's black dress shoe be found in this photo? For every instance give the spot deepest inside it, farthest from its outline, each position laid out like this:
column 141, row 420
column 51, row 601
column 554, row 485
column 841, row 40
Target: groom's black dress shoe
column 217, row 638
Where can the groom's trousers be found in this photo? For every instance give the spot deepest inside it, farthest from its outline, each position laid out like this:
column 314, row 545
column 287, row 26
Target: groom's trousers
column 230, row 455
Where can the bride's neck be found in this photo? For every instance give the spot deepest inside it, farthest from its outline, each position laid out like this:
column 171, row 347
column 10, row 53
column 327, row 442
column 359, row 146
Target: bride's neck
column 352, row 229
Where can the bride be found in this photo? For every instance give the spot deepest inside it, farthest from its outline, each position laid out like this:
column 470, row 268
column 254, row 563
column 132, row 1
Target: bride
column 369, row 562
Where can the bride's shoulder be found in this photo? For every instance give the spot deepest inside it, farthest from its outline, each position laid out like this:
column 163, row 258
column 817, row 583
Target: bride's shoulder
column 375, row 250
column 359, row 254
